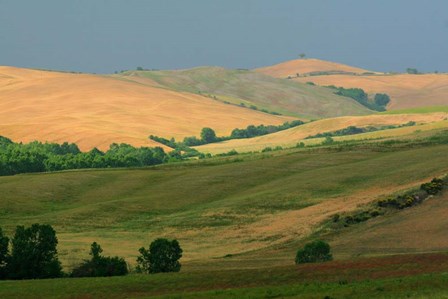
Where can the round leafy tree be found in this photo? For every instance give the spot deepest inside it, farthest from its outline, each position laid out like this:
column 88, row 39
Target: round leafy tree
column 163, row 256
column 314, row 252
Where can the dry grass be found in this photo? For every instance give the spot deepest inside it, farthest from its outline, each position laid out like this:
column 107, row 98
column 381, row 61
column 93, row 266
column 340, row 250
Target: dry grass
column 304, row 66
column 95, row 111
column 406, row 91
column 419, row 229
column 291, row 136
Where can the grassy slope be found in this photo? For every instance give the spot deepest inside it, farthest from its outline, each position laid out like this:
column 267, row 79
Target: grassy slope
column 251, row 88
column 418, row 229
column 390, row 277
column 214, row 208
column 406, row 91
column 290, row 137
column 94, row 110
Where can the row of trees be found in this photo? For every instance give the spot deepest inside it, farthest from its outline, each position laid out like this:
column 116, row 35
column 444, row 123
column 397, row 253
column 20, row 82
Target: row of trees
column 208, row 135
column 34, row 256
column 39, row 157
column 353, row 130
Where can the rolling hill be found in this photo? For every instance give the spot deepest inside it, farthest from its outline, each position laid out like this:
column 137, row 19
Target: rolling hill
column 306, row 67
column 416, row 230
column 290, row 137
column 215, row 207
column 405, row 90
column 248, row 88
column 95, row 111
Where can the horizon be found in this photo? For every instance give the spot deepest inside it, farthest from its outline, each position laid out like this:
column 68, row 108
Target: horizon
column 107, row 36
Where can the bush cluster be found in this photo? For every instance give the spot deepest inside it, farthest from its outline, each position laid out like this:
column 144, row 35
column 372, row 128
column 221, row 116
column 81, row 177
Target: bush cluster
column 314, row 252
column 99, row 265
column 433, row 187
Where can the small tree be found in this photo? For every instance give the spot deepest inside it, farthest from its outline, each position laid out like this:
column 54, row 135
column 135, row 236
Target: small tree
column 163, row 256
column 34, row 253
column 302, row 55
column 208, row 135
column 314, row 252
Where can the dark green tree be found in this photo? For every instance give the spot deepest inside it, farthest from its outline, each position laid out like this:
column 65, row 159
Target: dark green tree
column 208, row 135
column 412, row 71
column 381, row 99
column 163, row 256
column 314, row 252
column 34, row 253
column 4, row 242
column 100, row 266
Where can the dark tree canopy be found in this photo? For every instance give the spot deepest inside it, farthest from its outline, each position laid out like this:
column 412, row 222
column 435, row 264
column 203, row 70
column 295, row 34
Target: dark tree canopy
column 381, row 99
column 208, row 135
column 317, row 251
column 163, row 256
column 99, row 265
column 4, row 242
column 34, row 253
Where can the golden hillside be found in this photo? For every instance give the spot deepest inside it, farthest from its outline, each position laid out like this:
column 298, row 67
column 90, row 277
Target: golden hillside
column 95, row 111
column 290, row 137
column 405, row 90
column 306, row 66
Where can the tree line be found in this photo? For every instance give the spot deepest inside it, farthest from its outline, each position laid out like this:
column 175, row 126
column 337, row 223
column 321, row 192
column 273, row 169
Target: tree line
column 36, row 156
column 34, row 255
column 208, row 135
column 379, row 102
column 353, row 130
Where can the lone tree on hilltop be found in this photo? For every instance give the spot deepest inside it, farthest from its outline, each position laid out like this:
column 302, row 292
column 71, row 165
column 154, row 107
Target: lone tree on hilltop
column 163, row 256
column 302, row 55
column 314, row 252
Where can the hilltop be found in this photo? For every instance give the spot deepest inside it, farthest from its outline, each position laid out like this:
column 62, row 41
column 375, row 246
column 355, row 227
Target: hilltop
column 95, row 111
column 306, row 67
column 252, row 90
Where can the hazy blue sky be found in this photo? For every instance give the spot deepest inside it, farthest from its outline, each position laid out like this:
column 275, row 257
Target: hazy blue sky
column 106, row 35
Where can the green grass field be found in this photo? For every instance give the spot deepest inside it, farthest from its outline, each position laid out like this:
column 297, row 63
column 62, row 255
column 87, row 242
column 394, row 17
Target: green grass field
column 421, row 276
column 214, row 207
column 239, row 220
column 252, row 88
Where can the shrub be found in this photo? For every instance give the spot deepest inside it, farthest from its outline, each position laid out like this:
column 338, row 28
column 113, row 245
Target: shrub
column 99, row 266
column 162, row 256
column 328, row 140
column 317, row 251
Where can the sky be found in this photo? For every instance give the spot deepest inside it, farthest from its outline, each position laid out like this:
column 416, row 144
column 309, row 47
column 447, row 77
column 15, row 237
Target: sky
column 103, row 36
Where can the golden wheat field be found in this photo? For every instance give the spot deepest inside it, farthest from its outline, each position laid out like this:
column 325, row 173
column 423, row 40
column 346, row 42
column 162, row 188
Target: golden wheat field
column 405, row 90
column 95, row 110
